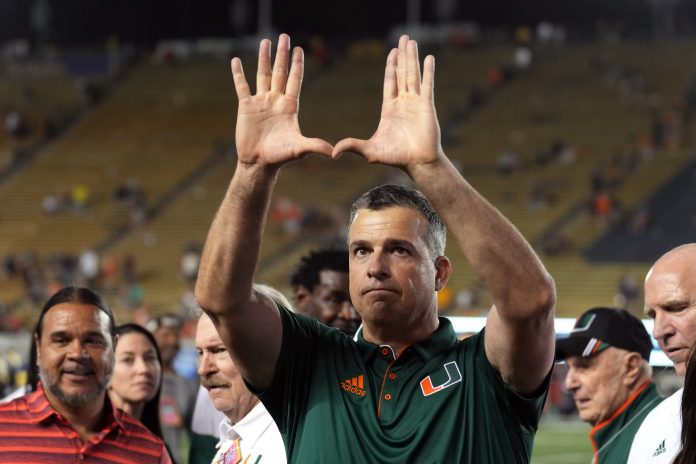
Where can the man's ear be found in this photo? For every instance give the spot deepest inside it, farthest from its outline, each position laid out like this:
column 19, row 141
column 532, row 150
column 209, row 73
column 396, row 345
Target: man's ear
column 443, row 271
column 37, row 346
column 633, row 365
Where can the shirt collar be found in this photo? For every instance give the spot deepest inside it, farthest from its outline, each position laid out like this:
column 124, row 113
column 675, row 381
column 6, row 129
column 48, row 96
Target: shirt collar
column 41, row 410
column 249, row 429
column 443, row 338
column 38, row 405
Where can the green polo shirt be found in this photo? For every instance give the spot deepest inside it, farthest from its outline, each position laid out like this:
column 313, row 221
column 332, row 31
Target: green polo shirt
column 336, row 400
column 612, row 439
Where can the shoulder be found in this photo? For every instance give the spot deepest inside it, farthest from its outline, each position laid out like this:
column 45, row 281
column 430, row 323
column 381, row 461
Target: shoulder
column 668, row 409
column 27, row 406
column 659, row 436
column 134, row 429
column 14, row 408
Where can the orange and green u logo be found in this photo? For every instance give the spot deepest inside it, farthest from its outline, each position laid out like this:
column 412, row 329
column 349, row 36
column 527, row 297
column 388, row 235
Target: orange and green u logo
column 453, row 376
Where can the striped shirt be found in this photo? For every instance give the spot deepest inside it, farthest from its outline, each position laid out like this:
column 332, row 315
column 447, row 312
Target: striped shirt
column 32, row 431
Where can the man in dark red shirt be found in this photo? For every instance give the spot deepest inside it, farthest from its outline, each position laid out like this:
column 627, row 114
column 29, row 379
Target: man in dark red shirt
column 69, row 418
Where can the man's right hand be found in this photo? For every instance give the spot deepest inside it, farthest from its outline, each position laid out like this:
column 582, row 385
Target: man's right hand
column 268, row 131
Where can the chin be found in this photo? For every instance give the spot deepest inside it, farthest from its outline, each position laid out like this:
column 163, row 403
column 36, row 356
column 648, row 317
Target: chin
column 680, row 369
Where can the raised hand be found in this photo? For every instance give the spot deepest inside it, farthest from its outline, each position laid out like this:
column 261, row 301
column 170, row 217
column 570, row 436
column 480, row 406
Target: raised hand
column 268, row 131
column 408, row 133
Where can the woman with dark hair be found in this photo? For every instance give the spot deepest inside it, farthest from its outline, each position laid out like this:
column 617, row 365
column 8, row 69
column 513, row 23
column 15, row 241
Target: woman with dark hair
column 137, row 378
column 687, row 455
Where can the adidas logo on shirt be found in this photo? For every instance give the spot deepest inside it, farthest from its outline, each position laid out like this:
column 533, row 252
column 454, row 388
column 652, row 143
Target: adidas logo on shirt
column 660, row 449
column 354, row 385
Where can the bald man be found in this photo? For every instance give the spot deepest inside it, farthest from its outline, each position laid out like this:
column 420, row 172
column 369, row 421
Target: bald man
column 670, row 300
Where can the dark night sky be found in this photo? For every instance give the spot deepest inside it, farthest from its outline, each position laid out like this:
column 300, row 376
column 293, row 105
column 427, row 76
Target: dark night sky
column 90, row 21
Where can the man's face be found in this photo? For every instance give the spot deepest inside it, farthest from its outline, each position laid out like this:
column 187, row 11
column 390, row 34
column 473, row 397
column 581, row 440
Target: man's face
column 596, row 384
column 75, row 354
column 218, row 373
column 670, row 299
column 329, row 302
column 392, row 276
column 168, row 343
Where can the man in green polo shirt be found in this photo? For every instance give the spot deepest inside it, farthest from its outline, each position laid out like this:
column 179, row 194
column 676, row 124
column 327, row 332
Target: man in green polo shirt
column 407, row 390
column 610, row 378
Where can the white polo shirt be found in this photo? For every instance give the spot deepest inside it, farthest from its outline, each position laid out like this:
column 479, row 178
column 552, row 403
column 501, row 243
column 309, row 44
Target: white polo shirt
column 257, row 436
column 658, row 439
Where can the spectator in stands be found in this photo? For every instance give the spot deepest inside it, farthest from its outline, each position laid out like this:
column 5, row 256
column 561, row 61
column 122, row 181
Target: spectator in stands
column 320, row 289
column 670, row 300
column 75, row 356
column 609, row 376
column 80, row 197
column 15, row 123
column 629, row 293
column 508, row 162
column 190, row 259
column 178, row 393
column 88, row 266
column 248, row 433
column 431, row 380
column 137, row 381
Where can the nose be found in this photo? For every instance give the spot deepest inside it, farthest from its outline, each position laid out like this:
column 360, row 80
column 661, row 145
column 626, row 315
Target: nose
column 141, row 366
column 77, row 349
column 571, row 381
column 206, row 366
column 662, row 328
column 378, row 267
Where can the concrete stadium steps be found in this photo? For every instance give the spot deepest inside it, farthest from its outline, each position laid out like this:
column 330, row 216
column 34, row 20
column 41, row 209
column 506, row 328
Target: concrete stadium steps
column 583, row 229
column 560, row 98
column 667, row 66
column 592, row 119
column 581, row 285
column 144, row 130
column 49, row 95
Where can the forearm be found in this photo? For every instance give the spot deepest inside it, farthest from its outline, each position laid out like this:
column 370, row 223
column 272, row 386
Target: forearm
column 501, row 257
column 231, row 250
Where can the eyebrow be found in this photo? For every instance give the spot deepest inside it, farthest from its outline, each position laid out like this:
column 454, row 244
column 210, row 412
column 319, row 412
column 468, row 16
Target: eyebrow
column 390, row 242
column 399, row 242
column 65, row 333
column 675, row 303
column 132, row 353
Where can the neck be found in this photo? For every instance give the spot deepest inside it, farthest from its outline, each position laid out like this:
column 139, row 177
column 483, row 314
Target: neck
column 399, row 336
column 84, row 419
column 133, row 408
column 243, row 407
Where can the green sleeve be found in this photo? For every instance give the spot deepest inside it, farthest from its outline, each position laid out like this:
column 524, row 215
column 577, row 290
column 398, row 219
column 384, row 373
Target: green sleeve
column 202, row 449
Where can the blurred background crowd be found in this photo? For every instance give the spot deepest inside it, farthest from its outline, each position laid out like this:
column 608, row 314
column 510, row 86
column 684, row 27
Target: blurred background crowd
column 575, row 118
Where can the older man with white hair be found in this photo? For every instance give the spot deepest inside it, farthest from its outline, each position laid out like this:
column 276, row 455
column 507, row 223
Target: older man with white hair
column 248, row 433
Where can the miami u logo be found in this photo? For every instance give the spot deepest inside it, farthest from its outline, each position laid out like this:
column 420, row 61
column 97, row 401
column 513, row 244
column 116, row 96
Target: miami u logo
column 453, row 376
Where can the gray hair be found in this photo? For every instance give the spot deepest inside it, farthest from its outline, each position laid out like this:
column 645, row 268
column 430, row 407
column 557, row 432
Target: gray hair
column 389, row 196
column 274, row 295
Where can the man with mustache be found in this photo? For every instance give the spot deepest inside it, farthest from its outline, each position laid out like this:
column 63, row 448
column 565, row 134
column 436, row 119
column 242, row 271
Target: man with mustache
column 69, row 417
column 248, row 433
column 670, row 300
column 407, row 390
column 320, row 290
